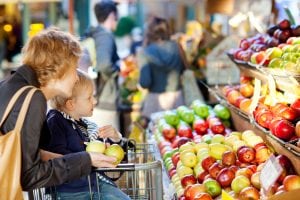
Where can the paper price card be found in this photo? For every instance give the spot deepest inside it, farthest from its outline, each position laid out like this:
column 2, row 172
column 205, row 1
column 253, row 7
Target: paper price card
column 270, row 173
column 256, row 95
column 226, row 196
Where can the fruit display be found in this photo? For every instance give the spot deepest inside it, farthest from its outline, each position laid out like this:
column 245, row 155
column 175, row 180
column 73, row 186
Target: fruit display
column 130, row 93
column 203, row 157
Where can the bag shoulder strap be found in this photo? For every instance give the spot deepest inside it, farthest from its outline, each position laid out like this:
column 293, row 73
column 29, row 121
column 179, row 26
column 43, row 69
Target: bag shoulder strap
column 12, row 103
column 24, row 109
column 182, row 56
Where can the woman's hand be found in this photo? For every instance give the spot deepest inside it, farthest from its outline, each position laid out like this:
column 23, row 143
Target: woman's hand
column 109, row 132
column 102, row 161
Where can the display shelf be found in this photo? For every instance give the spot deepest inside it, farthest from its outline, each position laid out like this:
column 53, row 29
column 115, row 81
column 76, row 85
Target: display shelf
column 242, row 121
column 284, row 82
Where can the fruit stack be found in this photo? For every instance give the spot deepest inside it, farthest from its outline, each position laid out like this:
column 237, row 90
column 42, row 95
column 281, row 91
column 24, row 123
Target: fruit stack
column 278, row 114
column 276, row 35
column 203, row 157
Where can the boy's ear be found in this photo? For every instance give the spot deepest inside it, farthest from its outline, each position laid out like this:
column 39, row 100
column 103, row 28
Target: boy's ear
column 69, row 104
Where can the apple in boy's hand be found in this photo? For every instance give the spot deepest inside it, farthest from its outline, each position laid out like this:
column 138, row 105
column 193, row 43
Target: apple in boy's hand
column 95, row 146
column 116, row 151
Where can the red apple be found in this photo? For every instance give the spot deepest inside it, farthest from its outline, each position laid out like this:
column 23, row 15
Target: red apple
column 262, row 154
column 296, row 106
column 195, row 190
column 201, row 176
column 282, row 176
column 225, row 177
column 244, row 44
column 246, row 154
column 246, row 89
column 172, row 172
column 175, row 158
column 253, row 168
column 263, row 118
column 168, row 132
column 239, row 100
column 233, row 168
column 214, row 169
column 184, row 130
column 287, row 113
column 188, row 180
column 285, row 163
column 207, row 162
column 245, row 172
column 187, row 192
column 249, row 193
column 228, row 158
column 203, row 196
column 232, row 96
column 200, row 126
column 291, row 182
column 245, row 79
column 297, row 129
column 163, row 144
column 284, row 24
column 177, row 142
column 283, row 129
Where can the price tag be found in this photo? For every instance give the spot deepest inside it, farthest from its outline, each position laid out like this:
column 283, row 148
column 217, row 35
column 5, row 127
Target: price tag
column 272, row 90
column 270, row 173
column 256, row 95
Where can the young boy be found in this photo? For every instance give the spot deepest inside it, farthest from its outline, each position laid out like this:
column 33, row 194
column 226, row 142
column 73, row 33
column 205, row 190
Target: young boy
column 69, row 131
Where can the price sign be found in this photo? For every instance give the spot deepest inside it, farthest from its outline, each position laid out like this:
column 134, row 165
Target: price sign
column 270, row 173
column 256, row 95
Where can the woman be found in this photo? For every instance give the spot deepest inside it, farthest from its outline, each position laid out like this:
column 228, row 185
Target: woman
column 162, row 69
column 49, row 63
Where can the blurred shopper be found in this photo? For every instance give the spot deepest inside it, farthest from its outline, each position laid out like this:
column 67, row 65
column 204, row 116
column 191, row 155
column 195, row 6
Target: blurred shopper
column 162, row 69
column 2, row 44
column 69, row 130
column 108, row 63
column 50, row 59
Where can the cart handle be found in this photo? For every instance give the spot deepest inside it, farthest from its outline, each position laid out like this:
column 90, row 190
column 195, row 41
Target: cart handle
column 120, row 167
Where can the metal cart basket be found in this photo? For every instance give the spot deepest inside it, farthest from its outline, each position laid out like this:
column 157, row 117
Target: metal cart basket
column 140, row 178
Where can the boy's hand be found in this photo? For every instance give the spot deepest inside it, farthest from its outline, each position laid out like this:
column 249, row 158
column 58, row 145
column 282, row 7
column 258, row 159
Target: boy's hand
column 109, row 131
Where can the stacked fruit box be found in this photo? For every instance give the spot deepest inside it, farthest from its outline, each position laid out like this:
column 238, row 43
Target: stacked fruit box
column 204, row 158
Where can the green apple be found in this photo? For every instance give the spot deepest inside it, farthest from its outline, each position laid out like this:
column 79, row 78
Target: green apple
column 200, row 108
column 275, row 63
column 95, row 146
column 274, row 52
column 171, row 118
column 116, row 151
column 212, row 187
column 221, row 111
column 239, row 182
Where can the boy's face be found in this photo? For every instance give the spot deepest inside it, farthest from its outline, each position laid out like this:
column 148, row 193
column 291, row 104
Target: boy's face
column 84, row 103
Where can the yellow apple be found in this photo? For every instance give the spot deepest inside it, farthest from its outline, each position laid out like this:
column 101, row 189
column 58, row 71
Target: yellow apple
column 246, row 134
column 237, row 133
column 188, row 159
column 95, row 146
column 201, row 145
column 187, row 146
column 218, row 138
column 216, row 150
column 184, row 170
column 116, row 151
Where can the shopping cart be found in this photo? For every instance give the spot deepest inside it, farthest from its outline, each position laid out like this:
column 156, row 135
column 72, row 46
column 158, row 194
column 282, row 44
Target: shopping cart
column 140, row 178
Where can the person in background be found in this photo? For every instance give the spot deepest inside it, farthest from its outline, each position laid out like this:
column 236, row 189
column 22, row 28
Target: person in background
column 161, row 71
column 70, row 130
column 107, row 64
column 49, row 59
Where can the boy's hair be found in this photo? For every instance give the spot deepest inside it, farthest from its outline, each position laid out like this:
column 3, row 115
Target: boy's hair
column 158, row 29
column 103, row 8
column 84, row 82
column 51, row 53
